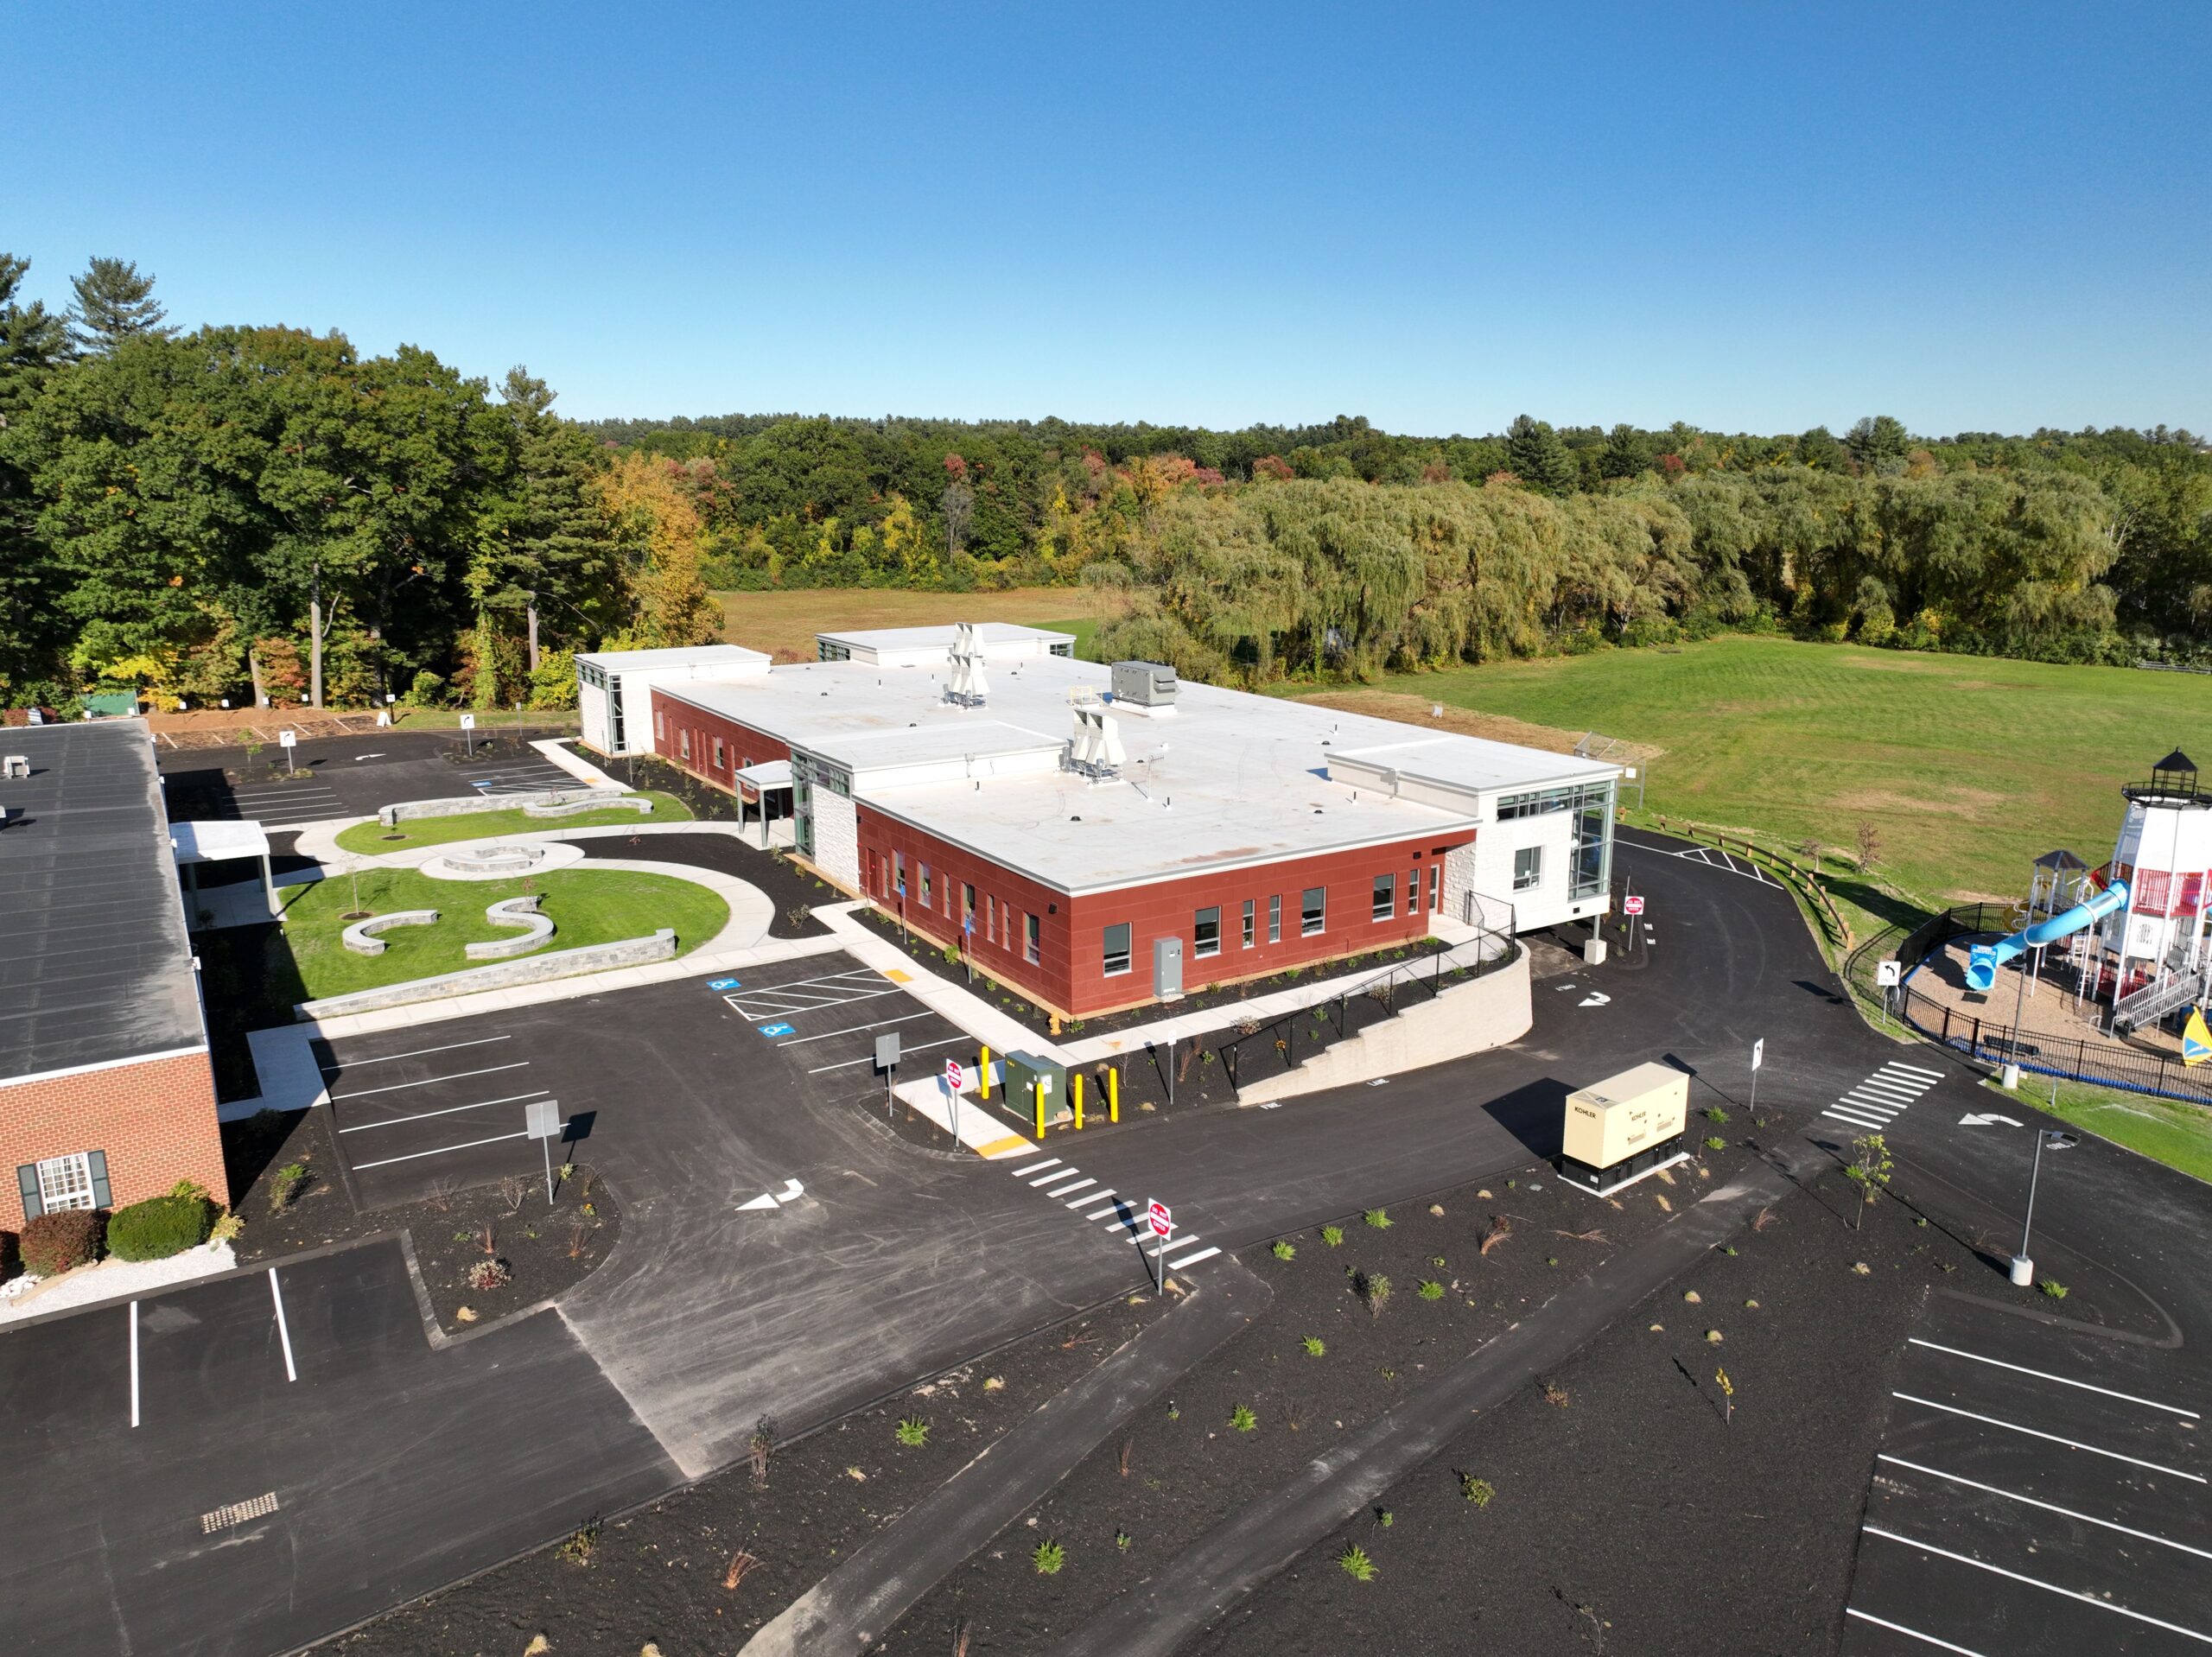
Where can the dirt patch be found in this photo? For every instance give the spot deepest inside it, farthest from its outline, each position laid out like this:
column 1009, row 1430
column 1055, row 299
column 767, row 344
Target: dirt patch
column 539, row 1250
column 1954, row 802
column 1464, row 721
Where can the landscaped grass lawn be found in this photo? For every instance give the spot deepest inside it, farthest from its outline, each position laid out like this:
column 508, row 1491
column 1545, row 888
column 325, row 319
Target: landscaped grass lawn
column 1969, row 767
column 374, row 840
column 2165, row 1130
column 587, row 906
column 784, row 623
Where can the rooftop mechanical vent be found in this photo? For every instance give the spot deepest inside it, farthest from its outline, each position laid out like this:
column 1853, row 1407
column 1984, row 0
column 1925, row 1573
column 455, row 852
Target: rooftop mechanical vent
column 970, row 683
column 1095, row 750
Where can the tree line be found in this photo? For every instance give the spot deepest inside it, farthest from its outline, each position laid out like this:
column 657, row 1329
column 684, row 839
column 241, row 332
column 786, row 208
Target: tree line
column 241, row 511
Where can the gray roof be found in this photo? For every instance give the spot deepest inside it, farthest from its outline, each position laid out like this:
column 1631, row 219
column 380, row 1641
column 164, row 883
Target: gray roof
column 95, row 965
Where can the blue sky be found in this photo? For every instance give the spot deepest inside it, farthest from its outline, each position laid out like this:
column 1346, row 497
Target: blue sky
column 1749, row 217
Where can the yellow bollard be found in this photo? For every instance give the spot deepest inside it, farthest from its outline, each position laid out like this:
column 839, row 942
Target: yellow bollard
column 983, row 1070
column 1075, row 1085
column 1113, row 1095
column 1038, row 1089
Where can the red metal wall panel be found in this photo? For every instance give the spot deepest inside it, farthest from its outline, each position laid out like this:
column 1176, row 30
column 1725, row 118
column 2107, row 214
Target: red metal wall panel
column 674, row 718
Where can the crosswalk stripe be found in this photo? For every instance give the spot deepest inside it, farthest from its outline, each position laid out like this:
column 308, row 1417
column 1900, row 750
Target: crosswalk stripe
column 1863, row 1102
column 1104, row 1196
column 1056, row 1173
column 1875, row 1084
column 1191, row 1260
column 1049, row 1162
column 1856, row 1121
column 1076, row 1186
column 1894, row 1065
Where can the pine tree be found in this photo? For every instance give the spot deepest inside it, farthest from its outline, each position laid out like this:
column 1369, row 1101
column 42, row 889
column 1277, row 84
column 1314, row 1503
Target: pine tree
column 33, row 342
column 1534, row 454
column 114, row 303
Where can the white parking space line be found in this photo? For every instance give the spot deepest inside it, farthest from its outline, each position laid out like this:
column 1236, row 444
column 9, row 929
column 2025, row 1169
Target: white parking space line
column 2063, row 1380
column 2048, row 1588
column 2048, row 1507
column 134, row 1364
column 386, row 1058
column 2052, row 1437
column 850, row 1029
column 1910, row 1634
column 753, row 1008
column 283, row 1331
column 449, row 1110
column 823, row 1070
column 428, row 1081
column 416, row 1156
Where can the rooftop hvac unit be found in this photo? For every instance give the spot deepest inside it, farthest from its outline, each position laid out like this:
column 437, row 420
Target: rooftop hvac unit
column 1145, row 684
column 1095, row 750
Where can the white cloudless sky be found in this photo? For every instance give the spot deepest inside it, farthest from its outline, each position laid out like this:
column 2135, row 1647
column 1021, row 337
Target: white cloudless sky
column 1752, row 218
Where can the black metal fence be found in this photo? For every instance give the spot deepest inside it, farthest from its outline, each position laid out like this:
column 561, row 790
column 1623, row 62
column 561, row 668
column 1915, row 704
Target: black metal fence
column 2099, row 1060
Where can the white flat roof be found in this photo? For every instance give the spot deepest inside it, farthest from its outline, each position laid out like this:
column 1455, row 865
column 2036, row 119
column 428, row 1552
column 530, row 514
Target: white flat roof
column 901, row 638
column 683, row 656
column 1230, row 779
column 217, row 841
column 1474, row 762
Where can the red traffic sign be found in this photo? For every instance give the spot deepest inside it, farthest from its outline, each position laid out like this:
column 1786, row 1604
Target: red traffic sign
column 1162, row 1221
column 1632, row 905
column 953, row 1075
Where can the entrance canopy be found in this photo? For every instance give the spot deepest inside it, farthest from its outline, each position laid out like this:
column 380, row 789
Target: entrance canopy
column 754, row 781
column 217, row 842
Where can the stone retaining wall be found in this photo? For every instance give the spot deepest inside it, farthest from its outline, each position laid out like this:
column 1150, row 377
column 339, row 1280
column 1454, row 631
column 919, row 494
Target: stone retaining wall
column 463, row 805
column 506, row 975
column 513, row 912
column 635, row 803
column 361, row 936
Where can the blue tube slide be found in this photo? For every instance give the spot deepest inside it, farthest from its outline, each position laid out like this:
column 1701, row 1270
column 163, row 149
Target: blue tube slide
column 1984, row 959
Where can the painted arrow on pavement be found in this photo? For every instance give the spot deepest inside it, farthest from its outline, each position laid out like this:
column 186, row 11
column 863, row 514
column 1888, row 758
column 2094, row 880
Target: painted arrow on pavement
column 1979, row 1118
column 791, row 1192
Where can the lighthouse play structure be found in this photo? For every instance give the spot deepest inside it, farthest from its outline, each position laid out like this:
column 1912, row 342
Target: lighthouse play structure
column 2137, row 927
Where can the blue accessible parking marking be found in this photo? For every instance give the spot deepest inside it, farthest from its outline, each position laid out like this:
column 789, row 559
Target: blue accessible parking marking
column 775, row 1030
column 723, row 983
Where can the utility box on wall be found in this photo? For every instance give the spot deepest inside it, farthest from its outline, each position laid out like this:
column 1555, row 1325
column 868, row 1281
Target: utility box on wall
column 1167, row 970
column 1623, row 1127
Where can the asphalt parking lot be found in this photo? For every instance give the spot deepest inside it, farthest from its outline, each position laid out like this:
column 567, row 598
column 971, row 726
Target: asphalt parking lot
column 350, row 777
column 243, row 1465
column 2040, row 1490
column 826, row 1017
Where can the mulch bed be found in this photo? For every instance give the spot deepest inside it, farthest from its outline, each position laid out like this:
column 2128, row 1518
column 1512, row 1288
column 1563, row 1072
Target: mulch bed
column 662, row 1574
column 1628, row 1516
column 543, row 1251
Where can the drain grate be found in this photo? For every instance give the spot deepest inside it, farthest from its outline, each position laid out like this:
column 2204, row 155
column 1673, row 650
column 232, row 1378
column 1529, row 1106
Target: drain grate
column 237, row 1514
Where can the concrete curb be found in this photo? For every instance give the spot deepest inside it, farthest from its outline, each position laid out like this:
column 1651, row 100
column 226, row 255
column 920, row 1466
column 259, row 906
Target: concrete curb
column 860, row 1600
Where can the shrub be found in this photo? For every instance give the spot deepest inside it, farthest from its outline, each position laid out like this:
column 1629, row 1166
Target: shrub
column 1285, row 1251
column 1375, row 1289
column 489, row 1274
column 1379, row 1218
column 1048, row 1557
column 1715, row 1113
column 1315, row 1346
column 2054, row 1288
column 58, row 1242
column 1355, row 1563
column 1242, row 1419
column 1479, row 1491
column 1332, row 1236
column 285, row 1185
column 159, row 1227
column 913, row 1433
column 1430, row 1289
column 1714, row 1142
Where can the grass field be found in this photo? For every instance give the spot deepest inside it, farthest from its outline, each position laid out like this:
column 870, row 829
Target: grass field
column 784, row 623
column 2165, row 1130
column 587, row 906
column 374, row 840
column 1969, row 767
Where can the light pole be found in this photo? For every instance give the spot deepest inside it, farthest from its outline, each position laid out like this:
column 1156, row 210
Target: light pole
column 2024, row 1269
column 2019, row 1003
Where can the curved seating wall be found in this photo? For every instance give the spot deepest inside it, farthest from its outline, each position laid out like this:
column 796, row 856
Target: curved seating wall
column 361, row 936
column 572, row 808
column 537, row 929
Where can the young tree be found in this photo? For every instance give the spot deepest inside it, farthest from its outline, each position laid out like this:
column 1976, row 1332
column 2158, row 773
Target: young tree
column 1869, row 1171
column 114, row 303
column 1869, row 845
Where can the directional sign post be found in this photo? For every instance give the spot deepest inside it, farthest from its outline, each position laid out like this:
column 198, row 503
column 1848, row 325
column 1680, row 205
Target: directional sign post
column 954, row 1076
column 288, row 740
column 886, row 1060
column 468, row 734
column 542, row 1119
column 1162, row 1221
column 1758, row 1057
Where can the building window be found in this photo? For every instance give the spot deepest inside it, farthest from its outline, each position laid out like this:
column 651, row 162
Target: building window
column 1117, row 949
column 1413, row 891
column 1435, row 897
column 1031, row 938
column 683, row 739
column 926, row 885
column 1312, row 911
column 67, row 1183
column 1251, row 922
column 718, row 753
column 1386, row 897
column 1206, row 931
column 1528, row 868
column 990, row 917
column 966, row 909
column 898, row 873
column 660, row 726
column 1275, row 919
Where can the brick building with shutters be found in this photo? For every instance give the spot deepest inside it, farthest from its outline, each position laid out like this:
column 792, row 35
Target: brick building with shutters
column 107, row 1095
column 1067, row 826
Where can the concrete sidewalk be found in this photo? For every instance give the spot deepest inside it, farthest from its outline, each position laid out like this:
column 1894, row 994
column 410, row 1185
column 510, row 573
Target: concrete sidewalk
column 845, row 1613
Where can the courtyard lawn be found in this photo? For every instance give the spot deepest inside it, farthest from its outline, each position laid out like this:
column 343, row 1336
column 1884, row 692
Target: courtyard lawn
column 1969, row 767
column 784, row 623
column 374, row 840
column 587, row 906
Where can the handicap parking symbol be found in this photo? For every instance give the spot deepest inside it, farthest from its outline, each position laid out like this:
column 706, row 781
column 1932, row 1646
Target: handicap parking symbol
column 775, row 1030
column 723, row 983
